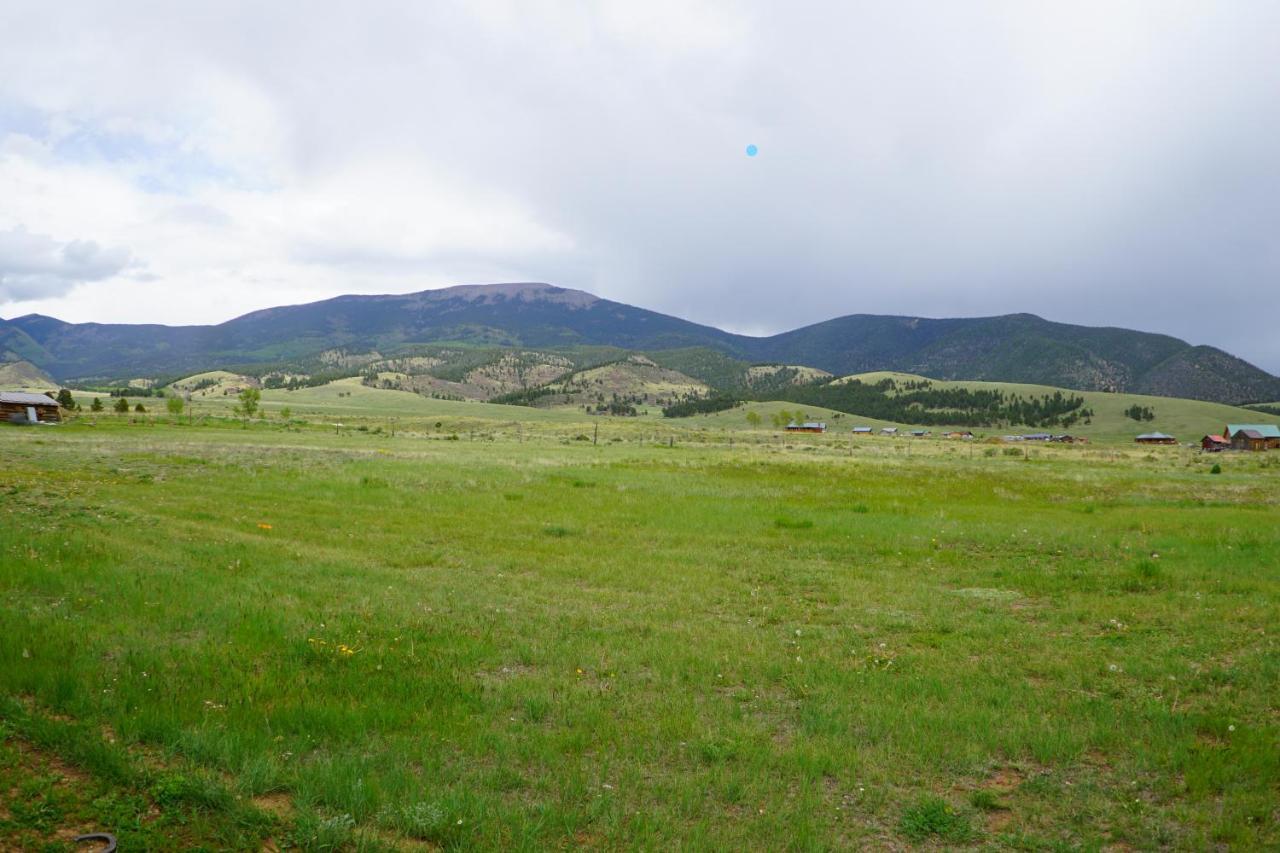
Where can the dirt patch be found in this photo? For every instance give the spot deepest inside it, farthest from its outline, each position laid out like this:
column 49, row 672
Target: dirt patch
column 40, row 762
column 1096, row 758
column 998, row 821
column 277, row 803
column 1004, row 780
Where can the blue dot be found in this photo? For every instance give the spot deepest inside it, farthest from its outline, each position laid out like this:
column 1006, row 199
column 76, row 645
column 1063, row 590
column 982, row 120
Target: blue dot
column 752, row 151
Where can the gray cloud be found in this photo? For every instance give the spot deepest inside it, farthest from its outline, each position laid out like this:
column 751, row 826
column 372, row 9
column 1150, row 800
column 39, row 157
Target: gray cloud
column 34, row 266
column 1091, row 162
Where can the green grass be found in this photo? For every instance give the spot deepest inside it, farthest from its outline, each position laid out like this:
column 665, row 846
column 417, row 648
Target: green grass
column 348, row 401
column 505, row 644
column 1188, row 420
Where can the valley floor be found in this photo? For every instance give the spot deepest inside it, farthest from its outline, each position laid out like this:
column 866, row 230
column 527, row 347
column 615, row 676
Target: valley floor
column 329, row 638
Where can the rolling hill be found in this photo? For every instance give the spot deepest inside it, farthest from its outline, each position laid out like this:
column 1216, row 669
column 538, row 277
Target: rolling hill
column 1013, row 348
column 1185, row 419
column 24, row 376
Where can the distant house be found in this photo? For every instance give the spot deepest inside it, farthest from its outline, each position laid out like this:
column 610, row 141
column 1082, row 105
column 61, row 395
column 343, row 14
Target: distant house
column 1253, row 436
column 862, row 430
column 919, row 433
column 958, row 434
column 1214, row 443
column 22, row 408
column 1155, row 438
column 888, row 430
column 807, row 426
column 1037, row 436
column 1249, row 438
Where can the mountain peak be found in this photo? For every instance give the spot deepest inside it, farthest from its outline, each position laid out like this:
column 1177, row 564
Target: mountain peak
column 532, row 291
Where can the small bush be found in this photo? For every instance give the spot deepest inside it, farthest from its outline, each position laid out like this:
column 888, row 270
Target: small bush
column 931, row 815
column 423, row 820
column 1147, row 576
column 556, row 531
column 1216, row 469
column 793, row 523
column 1012, row 451
column 312, row 832
column 860, row 508
column 985, row 801
column 536, row 709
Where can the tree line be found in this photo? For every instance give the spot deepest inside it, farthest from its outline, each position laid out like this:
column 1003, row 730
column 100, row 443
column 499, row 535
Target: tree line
column 915, row 402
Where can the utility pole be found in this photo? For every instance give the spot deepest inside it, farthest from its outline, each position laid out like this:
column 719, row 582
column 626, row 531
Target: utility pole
column 595, row 437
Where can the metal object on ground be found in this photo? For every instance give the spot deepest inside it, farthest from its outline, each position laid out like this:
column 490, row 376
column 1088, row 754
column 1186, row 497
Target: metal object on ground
column 105, row 837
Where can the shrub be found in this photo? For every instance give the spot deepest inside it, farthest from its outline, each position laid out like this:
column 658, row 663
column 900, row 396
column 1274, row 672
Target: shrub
column 793, row 523
column 932, row 815
column 984, row 801
column 312, row 832
column 1216, row 469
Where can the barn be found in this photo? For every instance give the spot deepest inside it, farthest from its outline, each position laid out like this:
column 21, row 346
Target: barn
column 807, row 426
column 22, row 408
column 1155, row 438
column 1253, row 436
column 1214, row 443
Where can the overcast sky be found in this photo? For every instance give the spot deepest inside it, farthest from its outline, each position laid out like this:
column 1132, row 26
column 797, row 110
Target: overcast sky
column 1104, row 163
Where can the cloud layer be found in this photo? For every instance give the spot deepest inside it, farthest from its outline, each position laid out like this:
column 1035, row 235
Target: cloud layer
column 33, row 266
column 1091, row 162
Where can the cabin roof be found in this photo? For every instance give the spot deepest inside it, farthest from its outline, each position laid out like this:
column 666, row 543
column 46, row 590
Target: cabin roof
column 1263, row 430
column 1153, row 435
column 22, row 398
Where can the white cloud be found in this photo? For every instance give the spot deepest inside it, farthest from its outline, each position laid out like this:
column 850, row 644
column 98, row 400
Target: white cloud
column 35, row 266
column 915, row 157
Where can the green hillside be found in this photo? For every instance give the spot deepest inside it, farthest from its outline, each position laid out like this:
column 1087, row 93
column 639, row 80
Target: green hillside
column 350, row 397
column 25, row 376
column 1188, row 420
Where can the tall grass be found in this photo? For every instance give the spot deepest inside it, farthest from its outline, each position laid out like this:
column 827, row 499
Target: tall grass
column 505, row 644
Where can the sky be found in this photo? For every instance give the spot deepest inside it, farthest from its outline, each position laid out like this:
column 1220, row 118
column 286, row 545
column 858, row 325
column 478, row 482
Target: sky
column 1106, row 163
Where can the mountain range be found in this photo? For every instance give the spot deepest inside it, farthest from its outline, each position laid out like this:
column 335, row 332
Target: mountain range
column 1011, row 348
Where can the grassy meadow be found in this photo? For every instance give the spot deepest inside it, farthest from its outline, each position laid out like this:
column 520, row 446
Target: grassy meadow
column 496, row 634
column 1188, row 420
